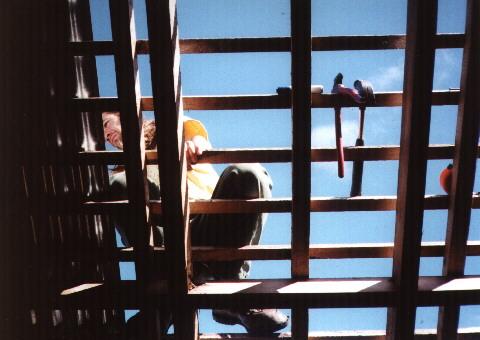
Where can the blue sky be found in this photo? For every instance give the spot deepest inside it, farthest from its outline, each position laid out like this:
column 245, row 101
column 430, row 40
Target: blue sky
column 262, row 73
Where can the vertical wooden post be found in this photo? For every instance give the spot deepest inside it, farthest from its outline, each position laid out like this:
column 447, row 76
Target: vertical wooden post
column 417, row 94
column 465, row 159
column 301, row 145
column 128, row 88
column 167, row 98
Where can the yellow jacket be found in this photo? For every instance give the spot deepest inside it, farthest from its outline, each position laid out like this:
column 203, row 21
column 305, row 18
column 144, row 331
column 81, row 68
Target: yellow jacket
column 201, row 178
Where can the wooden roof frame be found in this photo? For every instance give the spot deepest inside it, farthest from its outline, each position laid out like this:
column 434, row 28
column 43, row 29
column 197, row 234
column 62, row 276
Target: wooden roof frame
column 47, row 206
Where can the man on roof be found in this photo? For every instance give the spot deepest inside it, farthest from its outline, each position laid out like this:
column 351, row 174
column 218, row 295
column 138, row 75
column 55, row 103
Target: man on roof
column 240, row 181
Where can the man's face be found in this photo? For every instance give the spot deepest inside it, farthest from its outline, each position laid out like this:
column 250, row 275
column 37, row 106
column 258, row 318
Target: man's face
column 112, row 129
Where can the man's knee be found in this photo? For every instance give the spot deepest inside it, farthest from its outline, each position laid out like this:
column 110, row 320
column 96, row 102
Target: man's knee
column 118, row 186
column 245, row 181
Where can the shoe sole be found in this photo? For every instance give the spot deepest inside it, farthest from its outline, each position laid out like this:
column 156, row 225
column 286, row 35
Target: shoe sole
column 224, row 319
column 227, row 320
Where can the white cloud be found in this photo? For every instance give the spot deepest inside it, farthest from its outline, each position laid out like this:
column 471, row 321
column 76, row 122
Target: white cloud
column 324, row 136
column 388, row 78
column 445, row 62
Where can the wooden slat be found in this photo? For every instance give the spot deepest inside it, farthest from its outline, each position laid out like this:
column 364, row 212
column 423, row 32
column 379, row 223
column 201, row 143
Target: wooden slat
column 128, row 88
column 321, row 251
column 273, row 252
column 418, row 79
column 264, row 101
column 275, row 44
column 278, row 293
column 318, row 204
column 466, row 150
column 331, row 293
column 249, row 102
column 99, row 104
column 166, row 87
column 105, row 295
column 276, row 155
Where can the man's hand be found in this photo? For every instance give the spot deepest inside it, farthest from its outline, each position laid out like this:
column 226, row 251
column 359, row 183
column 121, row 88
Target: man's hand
column 194, row 149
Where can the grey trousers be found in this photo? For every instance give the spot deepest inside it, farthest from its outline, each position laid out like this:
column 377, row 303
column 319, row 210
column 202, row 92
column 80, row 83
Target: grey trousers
column 240, row 181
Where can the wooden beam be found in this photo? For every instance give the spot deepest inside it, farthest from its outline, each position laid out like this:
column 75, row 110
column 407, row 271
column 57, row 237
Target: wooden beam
column 272, row 252
column 254, row 102
column 166, row 87
column 417, row 89
column 128, row 87
column 331, row 293
column 123, row 295
column 301, row 101
column 277, row 44
column 275, row 155
column 275, row 293
column 466, row 153
column 246, row 102
column 301, row 134
column 318, row 204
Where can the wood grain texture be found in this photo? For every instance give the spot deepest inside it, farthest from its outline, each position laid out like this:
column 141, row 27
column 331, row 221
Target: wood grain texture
column 166, row 88
column 269, row 44
column 466, row 151
column 416, row 110
column 264, row 101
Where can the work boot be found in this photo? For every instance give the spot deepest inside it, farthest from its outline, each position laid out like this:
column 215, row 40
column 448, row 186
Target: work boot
column 255, row 321
column 141, row 325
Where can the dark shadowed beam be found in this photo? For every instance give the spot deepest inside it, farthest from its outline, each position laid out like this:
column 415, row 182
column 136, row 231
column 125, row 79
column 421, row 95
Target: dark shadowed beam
column 301, row 99
column 417, row 88
column 270, row 293
column 317, row 204
column 331, row 293
column 317, row 251
column 274, row 252
column 128, row 88
column 275, row 44
column 166, row 86
column 466, row 145
column 274, row 155
column 255, row 102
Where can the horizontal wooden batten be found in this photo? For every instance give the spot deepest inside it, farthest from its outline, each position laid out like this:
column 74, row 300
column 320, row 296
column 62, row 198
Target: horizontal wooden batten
column 316, row 251
column 274, row 155
column 330, row 293
column 275, row 293
column 271, row 252
column 383, row 99
column 263, row 101
column 274, row 205
column 272, row 44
